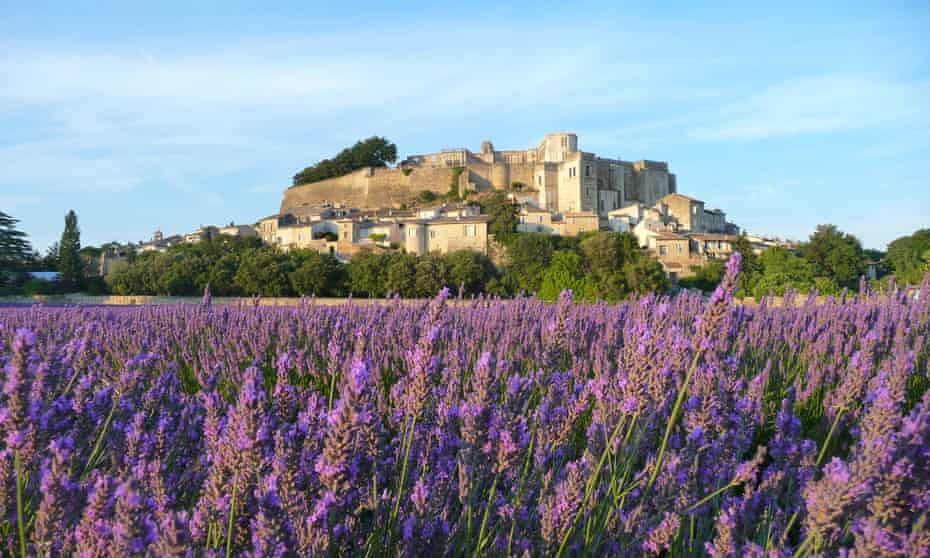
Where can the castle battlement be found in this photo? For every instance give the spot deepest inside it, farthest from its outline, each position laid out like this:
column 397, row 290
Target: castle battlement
column 563, row 178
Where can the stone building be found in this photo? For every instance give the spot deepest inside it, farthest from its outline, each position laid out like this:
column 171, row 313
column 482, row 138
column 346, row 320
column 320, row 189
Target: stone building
column 445, row 234
column 440, row 229
column 533, row 219
column 243, row 231
column 563, row 178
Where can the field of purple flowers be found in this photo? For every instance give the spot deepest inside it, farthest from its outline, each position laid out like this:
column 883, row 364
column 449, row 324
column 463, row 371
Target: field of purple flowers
column 662, row 426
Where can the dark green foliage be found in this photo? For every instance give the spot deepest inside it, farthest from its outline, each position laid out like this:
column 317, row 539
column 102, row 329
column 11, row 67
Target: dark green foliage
column 382, row 274
column 187, row 268
column 453, row 193
column 15, row 249
column 645, row 275
column 367, row 274
column 705, row 278
column 836, row 255
column 317, row 274
column 372, row 152
column 601, row 266
column 909, row 256
column 400, row 275
column 426, row 196
column 467, row 271
column 528, row 256
column 432, row 274
column 264, row 272
column 328, row 235
column 503, row 214
column 70, row 265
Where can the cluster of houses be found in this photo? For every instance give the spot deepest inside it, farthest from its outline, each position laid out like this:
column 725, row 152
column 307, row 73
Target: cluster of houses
column 677, row 230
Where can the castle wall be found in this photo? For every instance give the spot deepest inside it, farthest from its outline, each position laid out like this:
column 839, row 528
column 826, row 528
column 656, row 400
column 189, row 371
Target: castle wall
column 566, row 179
column 370, row 188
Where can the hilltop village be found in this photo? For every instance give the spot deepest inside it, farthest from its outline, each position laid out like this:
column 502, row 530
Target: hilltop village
column 431, row 203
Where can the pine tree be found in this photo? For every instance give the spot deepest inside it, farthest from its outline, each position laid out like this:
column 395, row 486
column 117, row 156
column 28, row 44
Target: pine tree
column 14, row 247
column 70, row 267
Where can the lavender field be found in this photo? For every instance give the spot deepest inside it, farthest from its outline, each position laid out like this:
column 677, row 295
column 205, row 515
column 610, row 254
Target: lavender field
column 661, row 426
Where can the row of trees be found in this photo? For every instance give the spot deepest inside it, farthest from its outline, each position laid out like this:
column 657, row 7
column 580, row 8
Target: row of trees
column 829, row 261
column 65, row 257
column 372, row 152
column 600, row 266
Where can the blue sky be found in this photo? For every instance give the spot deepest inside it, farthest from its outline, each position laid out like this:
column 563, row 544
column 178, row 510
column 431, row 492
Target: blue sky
column 170, row 116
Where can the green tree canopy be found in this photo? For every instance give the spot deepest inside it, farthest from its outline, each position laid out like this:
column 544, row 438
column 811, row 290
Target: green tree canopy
column 15, row 249
column 503, row 214
column 367, row 274
column 565, row 273
column 836, row 255
column 317, row 274
column 528, row 255
column 372, row 152
column 432, row 274
column 70, row 265
column 906, row 256
column 264, row 272
column 468, row 270
column 400, row 274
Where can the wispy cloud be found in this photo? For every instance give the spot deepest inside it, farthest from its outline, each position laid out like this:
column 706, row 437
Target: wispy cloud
column 819, row 104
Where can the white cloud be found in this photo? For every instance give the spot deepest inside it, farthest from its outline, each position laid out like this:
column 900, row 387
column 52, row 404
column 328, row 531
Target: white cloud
column 819, row 104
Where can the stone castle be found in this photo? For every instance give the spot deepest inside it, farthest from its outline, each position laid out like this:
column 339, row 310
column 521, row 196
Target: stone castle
column 554, row 175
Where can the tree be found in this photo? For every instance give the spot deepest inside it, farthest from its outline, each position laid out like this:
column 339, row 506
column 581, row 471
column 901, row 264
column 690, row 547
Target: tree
column 264, row 272
column 528, row 256
column 783, row 269
column 400, row 274
column 15, row 249
column 605, row 255
column 705, row 278
column 372, row 152
column 645, row 274
column 906, row 256
column 70, row 266
column 432, row 274
column 468, row 270
column 565, row 273
column 367, row 275
column 836, row 255
column 317, row 274
column 750, row 268
column 503, row 214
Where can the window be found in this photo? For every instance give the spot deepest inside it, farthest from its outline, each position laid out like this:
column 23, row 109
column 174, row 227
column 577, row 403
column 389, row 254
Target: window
column 432, row 234
column 694, row 209
column 540, row 218
column 469, row 230
column 411, row 232
column 299, row 237
column 587, row 170
column 539, row 179
column 600, row 204
column 662, row 250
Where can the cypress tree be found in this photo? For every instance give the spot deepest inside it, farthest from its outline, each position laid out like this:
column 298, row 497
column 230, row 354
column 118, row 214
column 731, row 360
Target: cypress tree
column 70, row 268
column 14, row 247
